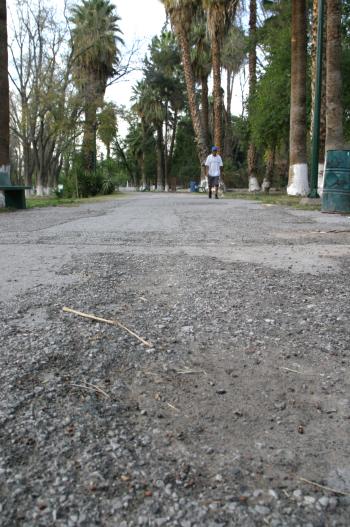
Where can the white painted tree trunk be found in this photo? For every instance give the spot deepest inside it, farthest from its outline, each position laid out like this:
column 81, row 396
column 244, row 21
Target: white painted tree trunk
column 265, row 185
column 204, row 184
column 6, row 169
column 40, row 190
column 253, row 185
column 298, row 180
column 29, row 192
column 320, row 179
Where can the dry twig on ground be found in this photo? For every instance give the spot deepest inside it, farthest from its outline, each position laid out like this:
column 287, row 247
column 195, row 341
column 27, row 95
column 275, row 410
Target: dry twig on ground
column 107, row 321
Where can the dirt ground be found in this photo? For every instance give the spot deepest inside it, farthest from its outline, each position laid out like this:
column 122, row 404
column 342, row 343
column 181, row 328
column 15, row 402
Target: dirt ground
column 236, row 414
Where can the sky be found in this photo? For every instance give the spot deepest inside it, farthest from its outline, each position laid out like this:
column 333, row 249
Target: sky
column 140, row 21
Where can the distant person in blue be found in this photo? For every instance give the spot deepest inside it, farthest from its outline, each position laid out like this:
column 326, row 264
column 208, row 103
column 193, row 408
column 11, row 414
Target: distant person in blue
column 214, row 164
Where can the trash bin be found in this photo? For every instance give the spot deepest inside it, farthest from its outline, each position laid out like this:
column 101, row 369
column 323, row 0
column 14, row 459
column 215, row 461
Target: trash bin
column 336, row 187
column 193, row 186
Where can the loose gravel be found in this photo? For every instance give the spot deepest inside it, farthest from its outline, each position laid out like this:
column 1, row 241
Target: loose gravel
column 241, row 403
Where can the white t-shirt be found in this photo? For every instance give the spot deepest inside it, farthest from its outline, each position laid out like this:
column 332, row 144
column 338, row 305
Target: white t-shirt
column 214, row 163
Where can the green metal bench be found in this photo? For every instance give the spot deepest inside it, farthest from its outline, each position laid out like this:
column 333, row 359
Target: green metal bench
column 14, row 194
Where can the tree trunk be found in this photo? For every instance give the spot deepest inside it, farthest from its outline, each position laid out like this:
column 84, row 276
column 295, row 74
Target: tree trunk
column 217, row 97
column 172, row 144
column 160, row 159
column 166, row 175
column 205, row 109
column 143, row 165
column 270, row 164
column 191, row 94
column 88, row 146
column 228, row 123
column 89, row 136
column 322, row 139
column 298, row 184
column 4, row 91
column 334, row 112
column 40, row 176
column 143, row 172
column 253, row 184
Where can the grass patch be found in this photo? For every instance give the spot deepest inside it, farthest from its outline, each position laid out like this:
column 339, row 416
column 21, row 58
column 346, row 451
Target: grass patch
column 280, row 199
column 52, row 201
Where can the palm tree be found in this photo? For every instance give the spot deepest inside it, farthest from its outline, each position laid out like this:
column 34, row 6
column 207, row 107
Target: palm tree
column 253, row 184
column 95, row 40
column 233, row 54
column 151, row 110
column 298, row 178
column 107, row 129
column 4, row 90
column 181, row 13
column 201, row 64
column 220, row 13
column 334, row 111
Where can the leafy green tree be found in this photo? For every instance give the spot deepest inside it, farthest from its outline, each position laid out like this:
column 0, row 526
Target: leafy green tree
column 150, row 108
column 95, row 42
column 270, row 105
column 107, row 128
column 163, row 73
column 185, row 165
column 232, row 58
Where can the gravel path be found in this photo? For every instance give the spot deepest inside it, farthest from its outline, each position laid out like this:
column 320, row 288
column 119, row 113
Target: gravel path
column 242, row 397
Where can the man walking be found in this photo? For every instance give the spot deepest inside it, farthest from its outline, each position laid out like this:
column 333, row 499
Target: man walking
column 213, row 164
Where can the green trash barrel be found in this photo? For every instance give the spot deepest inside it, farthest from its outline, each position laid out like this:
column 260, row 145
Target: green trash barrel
column 336, row 187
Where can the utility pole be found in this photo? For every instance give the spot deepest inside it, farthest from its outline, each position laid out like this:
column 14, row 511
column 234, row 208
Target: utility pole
column 317, row 103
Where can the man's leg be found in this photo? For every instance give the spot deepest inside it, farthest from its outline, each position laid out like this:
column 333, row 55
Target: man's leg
column 216, row 191
column 209, row 186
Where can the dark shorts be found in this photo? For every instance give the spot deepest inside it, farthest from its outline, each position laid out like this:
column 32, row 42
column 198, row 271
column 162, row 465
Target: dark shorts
column 213, row 181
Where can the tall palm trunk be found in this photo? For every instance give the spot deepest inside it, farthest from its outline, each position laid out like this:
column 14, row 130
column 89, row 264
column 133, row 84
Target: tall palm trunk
column 228, row 142
column 191, row 94
column 205, row 109
column 4, row 91
column 88, row 146
column 172, row 146
column 334, row 112
column 166, row 158
column 217, row 97
column 298, row 184
column 253, row 184
column 323, row 91
column 143, row 164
